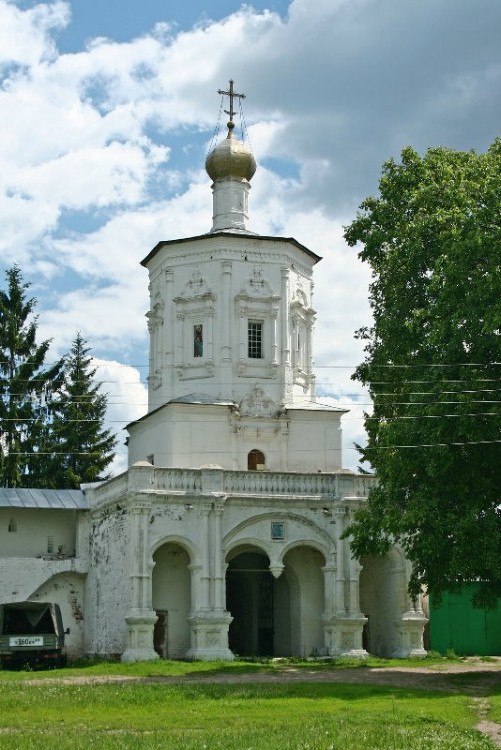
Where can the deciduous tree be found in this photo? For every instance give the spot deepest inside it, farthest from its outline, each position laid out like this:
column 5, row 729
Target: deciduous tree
column 433, row 353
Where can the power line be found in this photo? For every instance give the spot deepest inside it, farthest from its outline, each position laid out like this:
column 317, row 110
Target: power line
column 431, row 445
column 454, row 444
column 389, row 417
column 389, row 365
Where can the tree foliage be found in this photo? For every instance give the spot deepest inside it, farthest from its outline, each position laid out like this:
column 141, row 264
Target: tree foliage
column 77, row 446
column 51, row 418
column 26, row 384
column 433, row 353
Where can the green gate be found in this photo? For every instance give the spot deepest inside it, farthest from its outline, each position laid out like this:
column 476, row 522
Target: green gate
column 456, row 624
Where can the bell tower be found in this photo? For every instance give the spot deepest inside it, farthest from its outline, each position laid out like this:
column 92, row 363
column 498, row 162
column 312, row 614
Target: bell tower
column 231, row 328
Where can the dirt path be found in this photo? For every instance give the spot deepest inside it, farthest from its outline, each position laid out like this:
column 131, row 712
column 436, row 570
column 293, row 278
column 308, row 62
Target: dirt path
column 473, row 677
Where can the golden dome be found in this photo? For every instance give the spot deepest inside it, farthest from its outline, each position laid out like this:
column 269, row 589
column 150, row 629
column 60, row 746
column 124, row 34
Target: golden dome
column 231, row 159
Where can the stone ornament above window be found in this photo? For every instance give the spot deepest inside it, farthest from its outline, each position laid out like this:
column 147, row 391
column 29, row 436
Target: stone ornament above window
column 195, row 289
column 257, row 404
column 257, row 287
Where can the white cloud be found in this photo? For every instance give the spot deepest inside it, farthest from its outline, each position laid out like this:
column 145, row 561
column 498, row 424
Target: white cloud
column 101, row 151
column 25, row 35
column 127, row 401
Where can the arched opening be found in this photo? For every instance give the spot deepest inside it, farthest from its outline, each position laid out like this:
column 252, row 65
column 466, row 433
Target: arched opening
column 67, row 590
column 382, row 589
column 171, row 588
column 255, row 460
column 249, row 598
column 303, row 565
column 275, row 616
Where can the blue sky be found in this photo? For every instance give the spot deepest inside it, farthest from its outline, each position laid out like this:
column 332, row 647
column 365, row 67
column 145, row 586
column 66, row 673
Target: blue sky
column 107, row 110
column 122, row 20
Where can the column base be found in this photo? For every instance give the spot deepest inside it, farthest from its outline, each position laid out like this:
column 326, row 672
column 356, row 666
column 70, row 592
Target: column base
column 410, row 636
column 209, row 636
column 140, row 637
column 343, row 636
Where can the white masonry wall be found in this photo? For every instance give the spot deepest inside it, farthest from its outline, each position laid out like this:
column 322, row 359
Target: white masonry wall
column 29, row 571
column 221, row 282
column 108, row 586
column 38, row 532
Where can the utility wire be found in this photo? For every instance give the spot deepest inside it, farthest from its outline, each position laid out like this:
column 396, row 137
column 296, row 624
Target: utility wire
column 272, row 452
column 392, row 366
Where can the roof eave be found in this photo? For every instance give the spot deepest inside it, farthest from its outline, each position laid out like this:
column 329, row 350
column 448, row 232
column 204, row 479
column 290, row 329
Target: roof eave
column 233, row 235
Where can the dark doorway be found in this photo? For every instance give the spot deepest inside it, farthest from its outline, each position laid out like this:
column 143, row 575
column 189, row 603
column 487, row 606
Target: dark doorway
column 250, row 595
column 160, row 634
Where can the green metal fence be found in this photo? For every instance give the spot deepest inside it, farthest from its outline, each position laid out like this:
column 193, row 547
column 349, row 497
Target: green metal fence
column 457, row 625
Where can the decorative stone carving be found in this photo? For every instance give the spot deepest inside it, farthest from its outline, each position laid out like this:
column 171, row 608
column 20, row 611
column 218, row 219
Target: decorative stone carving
column 155, row 316
column 154, row 381
column 209, row 636
column 258, row 404
column 257, row 286
column 195, row 289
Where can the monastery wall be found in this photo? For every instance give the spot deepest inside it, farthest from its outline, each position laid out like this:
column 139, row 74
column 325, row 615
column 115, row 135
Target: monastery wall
column 108, row 585
column 49, row 580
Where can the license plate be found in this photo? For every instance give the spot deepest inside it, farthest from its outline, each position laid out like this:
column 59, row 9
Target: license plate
column 26, row 640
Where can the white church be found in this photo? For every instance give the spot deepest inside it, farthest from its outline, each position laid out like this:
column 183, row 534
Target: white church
column 224, row 536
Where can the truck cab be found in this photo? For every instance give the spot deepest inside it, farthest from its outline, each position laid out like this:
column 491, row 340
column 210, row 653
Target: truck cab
column 31, row 634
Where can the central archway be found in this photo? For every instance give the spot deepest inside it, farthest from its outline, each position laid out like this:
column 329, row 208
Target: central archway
column 259, row 605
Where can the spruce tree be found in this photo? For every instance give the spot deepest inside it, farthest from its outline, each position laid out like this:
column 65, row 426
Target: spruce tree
column 77, row 447
column 26, row 384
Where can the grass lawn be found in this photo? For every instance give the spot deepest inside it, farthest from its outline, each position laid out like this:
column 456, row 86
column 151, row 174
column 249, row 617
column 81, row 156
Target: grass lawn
column 44, row 713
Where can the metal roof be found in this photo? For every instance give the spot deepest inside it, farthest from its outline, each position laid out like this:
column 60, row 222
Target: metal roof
column 20, row 497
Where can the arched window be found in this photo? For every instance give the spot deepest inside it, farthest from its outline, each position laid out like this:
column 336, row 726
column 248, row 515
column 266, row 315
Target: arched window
column 255, row 460
column 12, row 525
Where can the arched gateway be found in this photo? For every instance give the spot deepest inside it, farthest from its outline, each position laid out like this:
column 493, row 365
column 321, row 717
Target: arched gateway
column 277, row 615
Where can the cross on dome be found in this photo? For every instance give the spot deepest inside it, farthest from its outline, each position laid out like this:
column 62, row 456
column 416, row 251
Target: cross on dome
column 231, row 166
column 231, row 94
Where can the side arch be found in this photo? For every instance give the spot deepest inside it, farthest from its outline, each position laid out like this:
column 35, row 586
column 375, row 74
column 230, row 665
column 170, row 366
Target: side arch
column 328, row 555
column 192, row 551
column 383, row 587
column 172, row 596
column 67, row 590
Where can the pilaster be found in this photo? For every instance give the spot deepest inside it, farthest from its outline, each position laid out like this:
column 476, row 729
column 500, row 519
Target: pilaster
column 140, row 616
column 209, row 620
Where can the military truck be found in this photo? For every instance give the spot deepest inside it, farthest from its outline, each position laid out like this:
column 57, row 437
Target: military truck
column 31, row 634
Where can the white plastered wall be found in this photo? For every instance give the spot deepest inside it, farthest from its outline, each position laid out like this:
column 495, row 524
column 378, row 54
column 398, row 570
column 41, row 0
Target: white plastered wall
column 34, row 528
column 108, row 586
column 191, row 435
